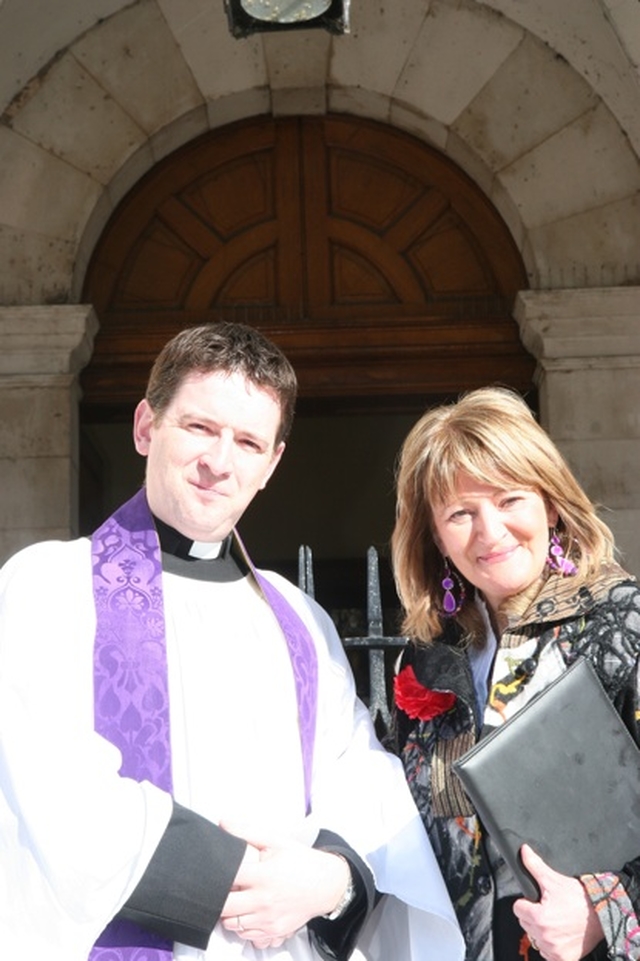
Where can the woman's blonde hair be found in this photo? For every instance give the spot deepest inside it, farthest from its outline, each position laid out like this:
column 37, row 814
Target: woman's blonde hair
column 491, row 435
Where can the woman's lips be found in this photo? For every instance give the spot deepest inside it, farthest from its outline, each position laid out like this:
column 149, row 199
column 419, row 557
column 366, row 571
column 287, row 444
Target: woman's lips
column 496, row 557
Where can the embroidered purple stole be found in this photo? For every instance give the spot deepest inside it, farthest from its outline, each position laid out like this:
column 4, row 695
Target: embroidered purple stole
column 131, row 689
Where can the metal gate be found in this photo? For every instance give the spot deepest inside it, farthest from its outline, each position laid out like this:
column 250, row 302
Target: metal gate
column 381, row 649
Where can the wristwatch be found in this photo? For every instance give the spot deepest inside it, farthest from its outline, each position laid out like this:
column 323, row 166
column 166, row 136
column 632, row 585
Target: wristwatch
column 347, row 897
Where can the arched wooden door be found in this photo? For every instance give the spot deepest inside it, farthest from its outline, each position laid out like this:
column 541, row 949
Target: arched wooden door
column 378, row 266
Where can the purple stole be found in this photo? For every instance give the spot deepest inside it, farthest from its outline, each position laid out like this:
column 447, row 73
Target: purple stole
column 131, row 690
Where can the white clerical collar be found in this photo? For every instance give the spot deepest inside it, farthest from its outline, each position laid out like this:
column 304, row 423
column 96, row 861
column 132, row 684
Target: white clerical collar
column 205, row 551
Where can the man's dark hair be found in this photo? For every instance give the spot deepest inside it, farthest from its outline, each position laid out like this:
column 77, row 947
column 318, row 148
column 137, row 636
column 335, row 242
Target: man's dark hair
column 227, row 348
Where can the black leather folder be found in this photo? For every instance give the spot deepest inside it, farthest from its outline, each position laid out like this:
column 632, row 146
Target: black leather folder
column 562, row 775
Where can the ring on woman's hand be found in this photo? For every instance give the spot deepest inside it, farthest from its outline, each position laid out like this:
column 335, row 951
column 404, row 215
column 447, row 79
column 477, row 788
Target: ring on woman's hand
column 533, row 943
column 240, row 928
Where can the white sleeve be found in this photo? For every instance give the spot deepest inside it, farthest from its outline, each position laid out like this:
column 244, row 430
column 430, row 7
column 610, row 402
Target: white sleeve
column 75, row 837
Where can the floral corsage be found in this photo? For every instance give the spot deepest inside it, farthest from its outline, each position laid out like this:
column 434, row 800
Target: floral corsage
column 416, row 700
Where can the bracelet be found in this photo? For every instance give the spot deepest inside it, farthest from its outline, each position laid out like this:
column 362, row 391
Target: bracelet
column 347, row 897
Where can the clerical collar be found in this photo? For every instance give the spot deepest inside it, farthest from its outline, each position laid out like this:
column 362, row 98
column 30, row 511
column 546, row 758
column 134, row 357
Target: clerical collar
column 197, row 559
column 173, row 542
column 206, row 552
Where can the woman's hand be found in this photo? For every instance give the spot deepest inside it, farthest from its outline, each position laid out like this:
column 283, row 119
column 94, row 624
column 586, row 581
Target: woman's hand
column 563, row 924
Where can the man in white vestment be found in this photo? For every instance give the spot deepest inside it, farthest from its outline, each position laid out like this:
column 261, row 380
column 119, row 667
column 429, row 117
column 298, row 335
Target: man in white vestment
column 185, row 769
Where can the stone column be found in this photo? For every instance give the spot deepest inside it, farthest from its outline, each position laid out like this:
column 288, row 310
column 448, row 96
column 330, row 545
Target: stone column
column 42, row 351
column 587, row 344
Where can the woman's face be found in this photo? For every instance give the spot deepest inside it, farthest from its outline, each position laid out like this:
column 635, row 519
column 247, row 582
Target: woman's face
column 497, row 537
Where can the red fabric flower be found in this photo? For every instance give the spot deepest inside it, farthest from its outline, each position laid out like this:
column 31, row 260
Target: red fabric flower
column 416, row 700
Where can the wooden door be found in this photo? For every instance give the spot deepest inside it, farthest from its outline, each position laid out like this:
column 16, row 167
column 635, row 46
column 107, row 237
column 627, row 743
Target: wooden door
column 376, row 264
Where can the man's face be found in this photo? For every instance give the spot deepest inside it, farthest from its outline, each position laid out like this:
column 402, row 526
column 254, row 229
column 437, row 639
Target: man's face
column 210, row 453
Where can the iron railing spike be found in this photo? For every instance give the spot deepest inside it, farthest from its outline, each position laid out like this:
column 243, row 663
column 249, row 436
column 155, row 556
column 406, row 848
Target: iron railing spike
column 374, row 602
column 305, row 570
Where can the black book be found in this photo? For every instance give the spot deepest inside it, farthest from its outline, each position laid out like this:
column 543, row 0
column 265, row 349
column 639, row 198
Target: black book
column 562, row 775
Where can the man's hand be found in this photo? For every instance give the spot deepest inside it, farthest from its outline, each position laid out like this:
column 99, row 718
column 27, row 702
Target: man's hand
column 276, row 893
column 563, row 925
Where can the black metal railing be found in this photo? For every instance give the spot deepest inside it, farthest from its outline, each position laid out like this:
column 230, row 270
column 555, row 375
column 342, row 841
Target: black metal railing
column 376, row 643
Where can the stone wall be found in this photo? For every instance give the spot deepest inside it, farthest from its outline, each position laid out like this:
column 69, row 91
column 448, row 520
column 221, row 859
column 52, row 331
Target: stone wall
column 42, row 350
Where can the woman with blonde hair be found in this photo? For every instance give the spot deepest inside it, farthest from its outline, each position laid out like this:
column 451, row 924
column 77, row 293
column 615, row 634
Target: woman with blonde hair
column 506, row 575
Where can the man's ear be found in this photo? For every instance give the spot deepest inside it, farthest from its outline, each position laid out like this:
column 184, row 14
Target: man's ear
column 142, row 423
column 275, row 460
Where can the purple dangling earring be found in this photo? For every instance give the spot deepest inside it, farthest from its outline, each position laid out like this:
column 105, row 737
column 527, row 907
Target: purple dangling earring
column 556, row 559
column 450, row 604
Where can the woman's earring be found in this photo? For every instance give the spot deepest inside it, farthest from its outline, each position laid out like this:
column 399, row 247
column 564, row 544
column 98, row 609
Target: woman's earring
column 450, row 604
column 556, row 559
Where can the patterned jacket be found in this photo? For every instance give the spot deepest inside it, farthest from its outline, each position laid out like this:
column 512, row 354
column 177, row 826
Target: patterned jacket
column 601, row 622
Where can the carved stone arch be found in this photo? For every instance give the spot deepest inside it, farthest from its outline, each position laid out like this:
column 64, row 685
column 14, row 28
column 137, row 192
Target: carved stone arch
column 380, row 268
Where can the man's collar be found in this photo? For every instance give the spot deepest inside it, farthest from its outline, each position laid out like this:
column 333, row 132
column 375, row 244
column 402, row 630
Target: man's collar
column 229, row 563
column 175, row 543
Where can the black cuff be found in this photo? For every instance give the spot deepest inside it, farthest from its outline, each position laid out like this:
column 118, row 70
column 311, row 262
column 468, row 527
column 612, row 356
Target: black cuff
column 183, row 890
column 335, row 940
